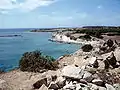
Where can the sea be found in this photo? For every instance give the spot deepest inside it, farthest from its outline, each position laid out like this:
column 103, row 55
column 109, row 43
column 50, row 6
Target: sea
column 15, row 42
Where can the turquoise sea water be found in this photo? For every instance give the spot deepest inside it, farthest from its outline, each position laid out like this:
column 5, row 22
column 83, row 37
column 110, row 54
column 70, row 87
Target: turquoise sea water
column 12, row 48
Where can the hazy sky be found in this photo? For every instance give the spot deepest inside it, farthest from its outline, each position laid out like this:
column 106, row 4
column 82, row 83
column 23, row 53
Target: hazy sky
column 56, row 13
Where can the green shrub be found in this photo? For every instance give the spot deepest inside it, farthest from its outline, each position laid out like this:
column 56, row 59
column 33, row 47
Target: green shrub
column 87, row 48
column 35, row 61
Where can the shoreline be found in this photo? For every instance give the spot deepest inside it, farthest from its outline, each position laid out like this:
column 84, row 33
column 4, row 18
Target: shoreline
column 69, row 67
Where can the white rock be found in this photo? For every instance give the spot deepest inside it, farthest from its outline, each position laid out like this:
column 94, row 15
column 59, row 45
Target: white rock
column 78, row 87
column 53, row 85
column 60, row 81
column 102, row 88
column 87, row 75
column 109, row 87
column 43, row 87
column 92, row 60
column 74, row 82
column 85, row 88
column 117, row 54
column 94, row 87
column 117, row 86
column 97, row 82
column 69, row 87
column 72, row 72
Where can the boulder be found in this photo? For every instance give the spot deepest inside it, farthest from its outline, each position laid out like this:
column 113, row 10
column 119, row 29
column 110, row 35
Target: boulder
column 94, row 87
column 69, row 87
column 110, row 60
column 96, row 64
column 87, row 48
column 39, row 83
column 72, row 72
column 117, row 86
column 83, row 81
column 53, row 86
column 61, row 82
column 92, row 60
column 87, row 75
column 109, row 87
column 85, row 88
column 4, row 85
column 117, row 54
column 78, row 87
column 102, row 88
column 101, row 65
column 98, row 82
column 43, row 87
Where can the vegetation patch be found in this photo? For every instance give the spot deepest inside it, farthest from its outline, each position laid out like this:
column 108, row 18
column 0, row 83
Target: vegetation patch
column 35, row 62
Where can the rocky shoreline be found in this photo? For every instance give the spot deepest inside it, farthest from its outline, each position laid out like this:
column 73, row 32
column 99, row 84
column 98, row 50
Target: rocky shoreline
column 97, row 69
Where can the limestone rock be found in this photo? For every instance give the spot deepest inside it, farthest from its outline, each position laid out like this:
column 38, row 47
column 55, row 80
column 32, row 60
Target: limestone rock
column 78, row 87
column 92, row 60
column 94, row 87
column 87, row 75
column 83, row 81
column 69, row 87
column 85, row 88
column 43, row 87
column 117, row 86
column 98, row 82
column 117, row 54
column 102, row 88
column 53, row 85
column 110, row 60
column 109, row 87
column 61, row 82
column 72, row 72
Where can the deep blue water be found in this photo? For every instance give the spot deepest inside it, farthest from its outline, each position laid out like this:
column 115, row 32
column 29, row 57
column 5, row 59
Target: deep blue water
column 12, row 48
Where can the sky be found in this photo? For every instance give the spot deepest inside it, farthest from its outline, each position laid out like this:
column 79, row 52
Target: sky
column 58, row 13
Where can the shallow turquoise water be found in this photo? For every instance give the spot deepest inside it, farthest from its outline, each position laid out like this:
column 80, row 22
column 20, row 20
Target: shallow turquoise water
column 12, row 48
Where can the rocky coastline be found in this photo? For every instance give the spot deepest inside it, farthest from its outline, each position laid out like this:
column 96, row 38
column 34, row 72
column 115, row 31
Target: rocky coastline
column 97, row 68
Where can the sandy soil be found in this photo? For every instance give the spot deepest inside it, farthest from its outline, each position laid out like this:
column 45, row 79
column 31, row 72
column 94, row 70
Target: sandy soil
column 18, row 80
